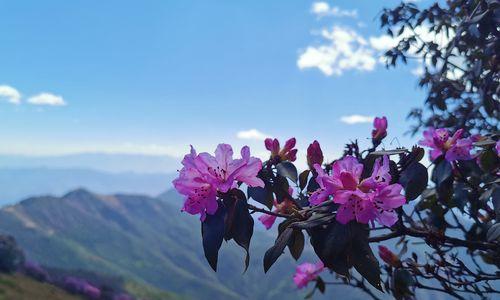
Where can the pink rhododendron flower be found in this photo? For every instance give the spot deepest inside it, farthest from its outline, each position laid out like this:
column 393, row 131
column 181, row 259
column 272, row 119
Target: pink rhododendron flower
column 380, row 128
column 306, row 273
column 373, row 198
column 287, row 153
column 283, row 207
column 453, row 147
column 388, row 256
column 204, row 176
column 314, row 155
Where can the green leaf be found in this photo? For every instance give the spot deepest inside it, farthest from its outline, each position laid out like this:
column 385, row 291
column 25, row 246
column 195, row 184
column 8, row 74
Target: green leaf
column 493, row 233
column 320, row 284
column 341, row 247
column 303, row 179
column 212, row 231
column 288, row 170
column 330, row 244
column 364, row 261
column 261, row 195
column 442, row 172
column 402, row 281
column 489, row 160
column 275, row 251
column 239, row 224
column 460, row 196
column 414, row 179
column 296, row 244
column 442, row 176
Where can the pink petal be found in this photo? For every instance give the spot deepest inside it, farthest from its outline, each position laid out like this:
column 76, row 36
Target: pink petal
column 387, row 218
column 224, row 155
column 267, row 220
column 345, row 213
column 348, row 164
column 390, row 196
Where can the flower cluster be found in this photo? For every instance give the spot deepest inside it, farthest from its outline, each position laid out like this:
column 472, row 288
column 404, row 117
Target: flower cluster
column 36, row 271
column 287, row 153
column 373, row 198
column 441, row 142
column 81, row 286
column 306, row 273
column 204, row 176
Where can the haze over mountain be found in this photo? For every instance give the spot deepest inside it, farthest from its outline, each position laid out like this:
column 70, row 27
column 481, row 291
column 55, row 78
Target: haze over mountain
column 147, row 240
column 105, row 162
column 20, row 183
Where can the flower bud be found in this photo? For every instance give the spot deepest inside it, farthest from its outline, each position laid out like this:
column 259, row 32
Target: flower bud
column 289, row 144
column 314, row 155
column 380, row 129
column 272, row 145
column 288, row 153
column 388, row 256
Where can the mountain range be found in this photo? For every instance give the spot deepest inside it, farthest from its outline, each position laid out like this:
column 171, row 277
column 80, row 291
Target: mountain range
column 22, row 182
column 147, row 240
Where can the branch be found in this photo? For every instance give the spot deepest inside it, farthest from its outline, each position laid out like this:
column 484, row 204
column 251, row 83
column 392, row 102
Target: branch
column 267, row 212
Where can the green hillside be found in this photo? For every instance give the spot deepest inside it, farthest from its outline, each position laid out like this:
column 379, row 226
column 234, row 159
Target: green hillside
column 20, row 287
column 145, row 239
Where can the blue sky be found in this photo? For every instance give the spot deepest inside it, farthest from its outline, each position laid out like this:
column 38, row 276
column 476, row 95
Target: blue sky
column 153, row 77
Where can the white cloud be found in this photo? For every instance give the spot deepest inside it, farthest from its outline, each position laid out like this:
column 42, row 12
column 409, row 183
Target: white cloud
column 323, row 9
column 418, row 71
column 252, row 134
column 356, row 119
column 383, row 42
column 10, row 94
column 346, row 50
column 47, row 99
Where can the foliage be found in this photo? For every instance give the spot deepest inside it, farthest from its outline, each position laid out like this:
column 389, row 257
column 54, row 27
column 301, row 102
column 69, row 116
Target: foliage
column 11, row 256
column 338, row 204
column 457, row 41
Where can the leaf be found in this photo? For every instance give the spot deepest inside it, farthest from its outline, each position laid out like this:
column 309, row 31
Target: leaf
column 296, row 244
column 489, row 160
column 402, row 281
column 320, row 284
column 212, row 231
column 496, row 201
column 275, row 251
column 460, row 196
column 330, row 245
column 493, row 233
column 363, row 259
column 288, row 170
column 442, row 172
column 341, row 247
column 485, row 143
column 442, row 175
column 414, row 179
column 261, row 195
column 303, row 179
column 313, row 185
column 241, row 225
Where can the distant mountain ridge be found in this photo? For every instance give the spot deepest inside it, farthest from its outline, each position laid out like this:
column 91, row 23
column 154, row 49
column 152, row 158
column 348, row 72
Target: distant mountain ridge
column 104, row 162
column 19, row 183
column 144, row 239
